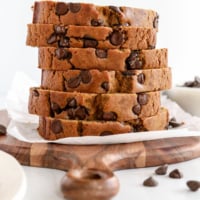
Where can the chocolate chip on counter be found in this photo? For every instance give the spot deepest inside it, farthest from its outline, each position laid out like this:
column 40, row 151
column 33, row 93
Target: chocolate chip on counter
column 134, row 61
column 52, row 39
column 137, row 109
column 71, row 103
column 141, row 78
column 56, row 126
column 109, row 116
column 155, row 22
column 162, row 170
column 150, row 182
column 62, row 54
column 35, row 93
column 61, row 8
column 193, row 185
column 64, row 42
column 74, row 82
column 81, row 113
column 142, row 99
column 195, row 83
column 101, row 53
column 96, row 22
column 56, row 108
column 3, row 130
column 115, row 9
column 105, row 133
column 60, row 30
column 116, row 38
column 175, row 174
column 174, row 124
column 105, row 86
column 74, row 7
column 89, row 43
column 86, row 77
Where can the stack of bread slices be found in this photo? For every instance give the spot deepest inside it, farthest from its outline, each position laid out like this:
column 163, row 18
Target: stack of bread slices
column 101, row 73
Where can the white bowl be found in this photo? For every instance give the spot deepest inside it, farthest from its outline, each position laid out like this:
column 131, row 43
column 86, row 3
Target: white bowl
column 188, row 98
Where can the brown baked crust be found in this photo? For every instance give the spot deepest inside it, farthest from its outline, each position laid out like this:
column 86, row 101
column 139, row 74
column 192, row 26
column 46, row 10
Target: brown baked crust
column 49, row 12
column 90, row 106
column 95, row 81
column 51, row 58
column 52, row 129
column 43, row 35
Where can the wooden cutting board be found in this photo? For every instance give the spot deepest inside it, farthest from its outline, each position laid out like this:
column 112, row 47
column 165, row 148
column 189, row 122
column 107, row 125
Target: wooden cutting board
column 101, row 159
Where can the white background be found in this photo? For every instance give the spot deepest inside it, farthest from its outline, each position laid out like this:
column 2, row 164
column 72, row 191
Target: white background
column 179, row 31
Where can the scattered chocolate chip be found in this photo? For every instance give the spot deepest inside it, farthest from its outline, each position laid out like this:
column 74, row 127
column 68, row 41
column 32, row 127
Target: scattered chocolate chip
column 137, row 109
column 89, row 43
column 52, row 39
column 174, row 124
column 115, row 9
column 72, row 103
column 74, row 82
column 61, row 8
column 141, row 78
column 60, row 30
column 101, row 53
column 105, row 86
column 116, row 38
column 142, row 99
column 175, row 174
column 193, row 185
column 62, row 54
column 134, row 61
column 86, row 77
column 150, row 182
column 64, row 42
column 81, row 113
column 194, row 84
column 109, row 116
column 56, row 126
column 3, row 130
column 96, row 22
column 71, row 113
column 105, row 133
column 55, row 108
column 74, row 7
column 162, row 170
column 156, row 21
column 35, row 93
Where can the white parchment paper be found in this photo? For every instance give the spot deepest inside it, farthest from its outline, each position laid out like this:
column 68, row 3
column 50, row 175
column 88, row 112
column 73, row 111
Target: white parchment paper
column 23, row 126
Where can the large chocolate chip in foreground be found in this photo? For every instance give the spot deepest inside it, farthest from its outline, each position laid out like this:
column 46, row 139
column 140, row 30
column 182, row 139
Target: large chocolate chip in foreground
column 109, row 116
column 61, row 8
column 62, row 54
column 137, row 109
column 96, row 22
column 3, row 130
column 74, row 82
column 150, row 182
column 101, row 53
column 105, row 133
column 116, row 38
column 89, row 43
column 74, row 7
column 56, row 126
column 162, row 170
column 142, row 99
column 86, row 77
column 193, row 185
column 175, row 174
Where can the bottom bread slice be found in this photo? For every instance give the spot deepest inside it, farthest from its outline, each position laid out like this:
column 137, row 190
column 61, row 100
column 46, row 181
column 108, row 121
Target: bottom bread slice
column 52, row 129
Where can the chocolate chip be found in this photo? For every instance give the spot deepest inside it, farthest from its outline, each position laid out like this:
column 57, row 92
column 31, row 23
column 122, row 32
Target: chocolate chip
column 96, row 22
column 55, row 108
column 115, row 9
column 193, row 185
column 86, row 77
column 81, row 113
column 134, row 61
column 61, row 8
column 74, row 82
column 105, row 133
column 3, row 130
column 89, row 43
column 162, row 170
column 62, row 54
column 195, row 83
column 142, row 99
column 56, row 126
column 59, row 30
column 156, row 21
column 105, row 86
column 128, row 73
column 116, row 38
column 151, row 46
column 52, row 39
column 72, row 103
column 175, row 174
column 150, row 182
column 174, row 124
column 35, row 93
column 71, row 113
column 138, row 128
column 74, row 7
column 101, row 53
column 141, row 78
column 109, row 116
column 136, row 109
column 64, row 42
